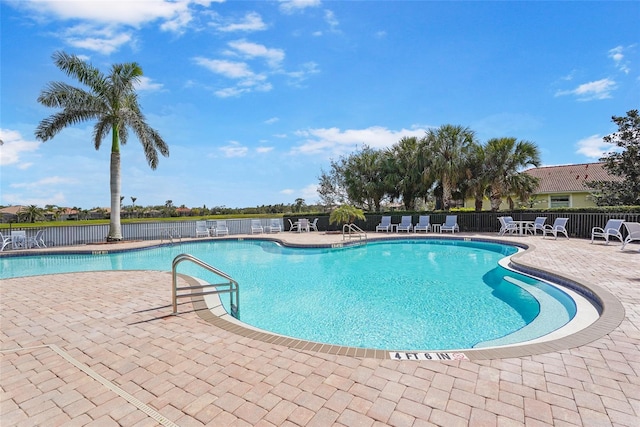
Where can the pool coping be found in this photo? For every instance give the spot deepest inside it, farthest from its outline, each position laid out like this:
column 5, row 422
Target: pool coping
column 610, row 308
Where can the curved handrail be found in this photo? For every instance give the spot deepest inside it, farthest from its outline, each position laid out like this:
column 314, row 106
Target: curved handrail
column 349, row 229
column 232, row 289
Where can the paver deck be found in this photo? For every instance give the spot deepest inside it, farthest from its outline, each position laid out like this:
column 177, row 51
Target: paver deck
column 101, row 349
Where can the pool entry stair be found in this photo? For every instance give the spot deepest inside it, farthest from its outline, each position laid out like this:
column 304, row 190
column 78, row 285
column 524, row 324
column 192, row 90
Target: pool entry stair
column 230, row 286
column 353, row 231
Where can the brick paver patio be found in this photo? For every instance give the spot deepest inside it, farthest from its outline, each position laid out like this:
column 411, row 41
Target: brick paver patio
column 101, row 349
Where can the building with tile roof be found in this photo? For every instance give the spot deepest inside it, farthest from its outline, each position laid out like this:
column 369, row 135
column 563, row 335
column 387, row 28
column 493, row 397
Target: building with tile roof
column 562, row 186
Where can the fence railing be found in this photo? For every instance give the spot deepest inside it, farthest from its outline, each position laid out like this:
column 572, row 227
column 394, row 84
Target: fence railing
column 579, row 226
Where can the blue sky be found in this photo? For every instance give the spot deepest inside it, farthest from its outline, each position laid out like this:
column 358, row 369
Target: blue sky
column 255, row 98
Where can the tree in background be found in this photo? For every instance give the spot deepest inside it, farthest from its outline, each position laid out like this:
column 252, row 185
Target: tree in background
column 624, row 163
column 31, row 213
column 407, row 171
column 504, row 160
column 449, row 147
column 113, row 102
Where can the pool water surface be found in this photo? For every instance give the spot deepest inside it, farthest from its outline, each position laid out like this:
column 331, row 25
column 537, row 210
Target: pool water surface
column 401, row 294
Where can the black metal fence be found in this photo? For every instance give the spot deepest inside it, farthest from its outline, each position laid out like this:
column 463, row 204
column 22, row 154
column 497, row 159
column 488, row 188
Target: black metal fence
column 579, row 225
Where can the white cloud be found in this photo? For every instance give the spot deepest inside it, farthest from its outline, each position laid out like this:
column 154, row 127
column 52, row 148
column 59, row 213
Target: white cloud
column 253, row 50
column 592, row 146
column 48, row 181
column 252, row 22
column 13, row 145
column 146, row 84
column 264, row 149
column 599, row 89
column 287, row 191
column 617, row 54
column 105, row 21
column 271, row 121
column 105, row 40
column 333, row 142
column 595, row 147
column 330, row 18
column 292, row 6
column 56, row 199
column 234, row 149
column 123, row 12
column 230, row 69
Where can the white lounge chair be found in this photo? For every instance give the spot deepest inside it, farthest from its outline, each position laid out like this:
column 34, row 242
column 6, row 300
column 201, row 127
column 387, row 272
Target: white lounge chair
column 256, row 226
column 633, row 233
column 6, row 241
column 385, row 224
column 538, row 224
column 293, row 226
column 450, row 224
column 559, row 226
column 611, row 229
column 37, row 240
column 313, row 226
column 221, row 228
column 405, row 224
column 274, row 226
column 424, row 224
column 201, row 229
column 507, row 225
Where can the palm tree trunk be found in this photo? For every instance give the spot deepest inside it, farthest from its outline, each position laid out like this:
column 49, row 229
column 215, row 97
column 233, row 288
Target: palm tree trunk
column 115, row 231
column 446, row 192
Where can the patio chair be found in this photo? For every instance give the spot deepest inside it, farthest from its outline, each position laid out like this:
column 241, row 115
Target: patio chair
column 274, row 226
column 221, row 228
column 293, row 226
column 313, row 226
column 385, row 224
column 256, row 226
column 633, row 233
column 450, row 224
column 424, row 224
column 559, row 226
column 19, row 239
column 507, row 225
column 37, row 240
column 6, row 241
column 405, row 224
column 611, row 229
column 538, row 224
column 201, row 229
column 303, row 225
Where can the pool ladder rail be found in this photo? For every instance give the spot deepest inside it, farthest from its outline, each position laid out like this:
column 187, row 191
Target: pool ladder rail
column 352, row 230
column 170, row 234
column 230, row 286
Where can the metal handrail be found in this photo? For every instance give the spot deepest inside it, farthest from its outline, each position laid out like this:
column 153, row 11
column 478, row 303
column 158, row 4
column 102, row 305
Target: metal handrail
column 231, row 287
column 349, row 229
column 169, row 233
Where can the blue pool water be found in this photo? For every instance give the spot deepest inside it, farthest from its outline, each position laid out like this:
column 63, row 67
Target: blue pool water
column 404, row 294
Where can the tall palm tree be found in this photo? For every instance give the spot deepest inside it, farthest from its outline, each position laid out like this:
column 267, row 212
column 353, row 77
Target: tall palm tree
column 406, row 163
column 476, row 181
column 449, row 147
column 504, row 159
column 112, row 101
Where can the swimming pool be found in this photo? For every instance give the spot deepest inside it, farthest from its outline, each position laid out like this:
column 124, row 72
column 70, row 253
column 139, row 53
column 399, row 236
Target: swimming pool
column 401, row 294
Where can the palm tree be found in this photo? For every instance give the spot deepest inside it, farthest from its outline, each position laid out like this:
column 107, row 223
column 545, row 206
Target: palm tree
column 504, row 160
column 406, row 164
column 30, row 214
column 449, row 146
column 113, row 102
column 476, row 181
column 346, row 214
